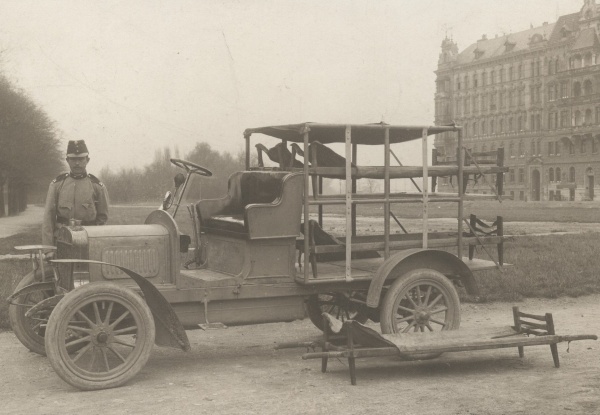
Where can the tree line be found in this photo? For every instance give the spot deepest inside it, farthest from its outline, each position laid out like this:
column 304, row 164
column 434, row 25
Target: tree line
column 149, row 183
column 29, row 149
column 31, row 155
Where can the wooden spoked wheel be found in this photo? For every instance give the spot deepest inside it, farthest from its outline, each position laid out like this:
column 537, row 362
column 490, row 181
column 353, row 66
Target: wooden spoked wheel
column 99, row 336
column 30, row 330
column 342, row 306
column 422, row 300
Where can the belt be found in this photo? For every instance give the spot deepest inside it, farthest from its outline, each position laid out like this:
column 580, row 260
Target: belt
column 65, row 221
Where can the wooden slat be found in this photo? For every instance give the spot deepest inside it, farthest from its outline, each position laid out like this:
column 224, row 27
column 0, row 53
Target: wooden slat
column 534, row 325
column 401, row 172
column 532, row 316
column 378, row 246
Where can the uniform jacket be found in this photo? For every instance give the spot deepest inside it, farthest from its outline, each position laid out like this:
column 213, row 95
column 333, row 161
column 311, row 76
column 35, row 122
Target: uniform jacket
column 84, row 199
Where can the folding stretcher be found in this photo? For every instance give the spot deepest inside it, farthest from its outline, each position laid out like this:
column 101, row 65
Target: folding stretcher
column 362, row 341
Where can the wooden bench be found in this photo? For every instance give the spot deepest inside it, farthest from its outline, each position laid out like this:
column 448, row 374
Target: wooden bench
column 529, row 330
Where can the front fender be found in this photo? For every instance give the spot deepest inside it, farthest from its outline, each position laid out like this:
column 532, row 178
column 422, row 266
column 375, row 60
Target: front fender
column 165, row 319
column 402, row 262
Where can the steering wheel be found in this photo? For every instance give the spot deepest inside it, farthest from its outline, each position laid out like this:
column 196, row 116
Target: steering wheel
column 190, row 167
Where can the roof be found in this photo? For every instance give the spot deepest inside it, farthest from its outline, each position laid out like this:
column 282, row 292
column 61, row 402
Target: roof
column 371, row 134
column 569, row 22
column 489, row 48
column 587, row 39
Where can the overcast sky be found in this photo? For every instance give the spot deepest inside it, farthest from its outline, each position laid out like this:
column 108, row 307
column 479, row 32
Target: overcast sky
column 133, row 76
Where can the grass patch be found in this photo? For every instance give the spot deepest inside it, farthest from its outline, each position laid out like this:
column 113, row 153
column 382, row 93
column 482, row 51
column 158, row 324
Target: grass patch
column 545, row 267
column 32, row 236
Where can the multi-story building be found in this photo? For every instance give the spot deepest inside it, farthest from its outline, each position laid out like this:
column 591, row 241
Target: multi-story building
column 536, row 93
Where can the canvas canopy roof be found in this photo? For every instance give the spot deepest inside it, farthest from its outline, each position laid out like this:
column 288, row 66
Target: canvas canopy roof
column 371, row 134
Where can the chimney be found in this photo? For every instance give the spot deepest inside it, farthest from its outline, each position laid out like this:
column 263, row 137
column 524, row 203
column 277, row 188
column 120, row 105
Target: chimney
column 484, row 37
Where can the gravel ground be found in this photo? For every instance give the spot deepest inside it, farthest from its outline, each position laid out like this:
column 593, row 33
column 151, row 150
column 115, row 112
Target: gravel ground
column 237, row 371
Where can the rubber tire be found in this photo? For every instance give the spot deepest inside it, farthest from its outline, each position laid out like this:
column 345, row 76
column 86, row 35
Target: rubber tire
column 315, row 312
column 62, row 313
column 411, row 278
column 21, row 325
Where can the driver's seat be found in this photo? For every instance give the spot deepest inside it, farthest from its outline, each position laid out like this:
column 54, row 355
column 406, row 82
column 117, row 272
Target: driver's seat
column 258, row 205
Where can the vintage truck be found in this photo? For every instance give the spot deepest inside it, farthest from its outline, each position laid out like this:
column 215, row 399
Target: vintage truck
column 260, row 254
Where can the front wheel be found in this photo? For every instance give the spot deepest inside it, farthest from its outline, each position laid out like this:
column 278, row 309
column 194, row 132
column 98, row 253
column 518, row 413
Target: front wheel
column 422, row 300
column 99, row 336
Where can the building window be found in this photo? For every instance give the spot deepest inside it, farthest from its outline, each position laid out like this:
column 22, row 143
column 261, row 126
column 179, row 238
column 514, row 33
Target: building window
column 557, row 148
column 558, row 176
column 521, row 175
column 583, row 144
column 533, row 148
column 521, row 149
column 564, row 119
column 539, row 147
column 510, row 124
column 492, row 77
column 501, row 74
column 512, row 175
column 483, row 128
column 587, row 87
column 551, row 148
column 578, row 118
column 492, row 127
column 520, row 123
column 564, row 90
column 588, row 117
column 501, row 125
column 511, row 149
column 576, row 89
column 521, row 195
column 594, row 146
column 474, row 80
column 571, row 148
column 551, row 175
column 572, row 174
column 475, row 130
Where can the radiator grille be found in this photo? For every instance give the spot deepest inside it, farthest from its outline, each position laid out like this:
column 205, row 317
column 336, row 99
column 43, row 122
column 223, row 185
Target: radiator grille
column 144, row 261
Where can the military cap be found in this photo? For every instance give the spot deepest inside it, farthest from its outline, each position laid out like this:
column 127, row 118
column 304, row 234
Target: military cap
column 77, row 148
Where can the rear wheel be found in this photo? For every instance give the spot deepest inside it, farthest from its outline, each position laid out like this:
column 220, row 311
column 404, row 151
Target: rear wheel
column 99, row 336
column 343, row 306
column 29, row 330
column 422, row 300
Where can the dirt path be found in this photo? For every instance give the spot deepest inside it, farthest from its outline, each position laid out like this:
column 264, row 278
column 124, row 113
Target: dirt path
column 12, row 225
column 237, row 371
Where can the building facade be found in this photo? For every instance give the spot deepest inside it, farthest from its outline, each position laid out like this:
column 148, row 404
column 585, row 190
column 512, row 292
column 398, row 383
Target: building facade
column 536, row 93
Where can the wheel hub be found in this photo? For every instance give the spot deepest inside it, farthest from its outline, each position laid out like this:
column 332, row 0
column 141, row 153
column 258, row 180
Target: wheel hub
column 102, row 337
column 422, row 315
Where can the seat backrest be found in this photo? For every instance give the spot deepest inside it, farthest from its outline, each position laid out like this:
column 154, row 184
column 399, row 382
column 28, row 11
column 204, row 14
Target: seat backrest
column 260, row 187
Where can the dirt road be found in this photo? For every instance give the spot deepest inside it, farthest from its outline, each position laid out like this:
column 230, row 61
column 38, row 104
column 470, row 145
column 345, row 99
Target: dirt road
column 237, row 371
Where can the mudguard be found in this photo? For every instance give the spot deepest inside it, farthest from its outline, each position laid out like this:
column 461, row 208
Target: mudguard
column 402, row 262
column 46, row 304
column 31, row 288
column 165, row 319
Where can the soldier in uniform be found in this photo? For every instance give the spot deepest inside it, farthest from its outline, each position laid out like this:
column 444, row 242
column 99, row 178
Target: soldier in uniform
column 75, row 195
